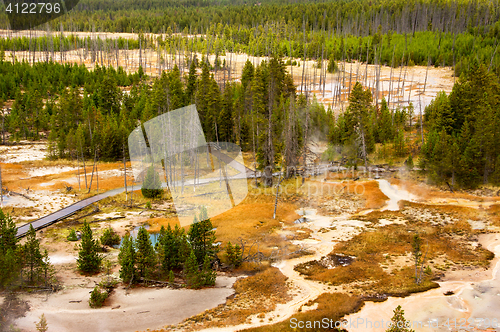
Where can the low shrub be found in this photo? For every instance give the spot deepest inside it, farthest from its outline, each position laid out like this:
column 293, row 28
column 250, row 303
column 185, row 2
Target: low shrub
column 110, row 238
column 97, row 297
column 72, row 235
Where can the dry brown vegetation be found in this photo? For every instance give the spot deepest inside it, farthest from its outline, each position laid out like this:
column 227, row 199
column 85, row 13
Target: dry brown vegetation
column 333, row 306
column 20, row 211
column 156, row 223
column 253, row 295
column 454, row 218
column 374, row 247
column 369, row 191
column 494, row 214
column 429, row 192
column 14, row 176
column 252, row 221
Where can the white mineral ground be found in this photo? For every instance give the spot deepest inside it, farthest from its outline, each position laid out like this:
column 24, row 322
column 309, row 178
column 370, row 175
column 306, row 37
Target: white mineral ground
column 395, row 195
column 476, row 296
column 68, row 309
column 416, row 84
column 137, row 309
column 476, row 292
column 16, row 154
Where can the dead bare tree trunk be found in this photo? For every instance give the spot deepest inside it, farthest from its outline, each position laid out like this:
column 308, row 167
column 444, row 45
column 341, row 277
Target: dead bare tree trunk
column 304, row 60
column 92, row 176
column 84, row 168
column 390, row 84
column 1, row 188
column 277, row 193
column 78, row 171
column 125, row 173
column 97, row 173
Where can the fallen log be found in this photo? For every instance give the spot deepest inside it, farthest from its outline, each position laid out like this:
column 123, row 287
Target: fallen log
column 449, row 186
column 166, row 283
column 10, row 192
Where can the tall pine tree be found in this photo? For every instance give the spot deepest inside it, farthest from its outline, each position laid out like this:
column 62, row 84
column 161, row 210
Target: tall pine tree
column 89, row 260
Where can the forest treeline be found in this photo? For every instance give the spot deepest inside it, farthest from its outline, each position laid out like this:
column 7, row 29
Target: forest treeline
column 356, row 17
column 462, row 145
column 456, row 138
column 190, row 254
column 88, row 114
column 440, row 33
column 22, row 264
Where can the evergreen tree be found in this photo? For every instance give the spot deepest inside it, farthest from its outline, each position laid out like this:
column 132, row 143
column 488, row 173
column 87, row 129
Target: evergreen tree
column 183, row 245
column 358, row 112
column 398, row 322
column 89, row 260
column 247, row 74
column 191, row 81
column 233, row 255
column 225, row 118
column 230, row 253
column 151, row 187
column 409, row 162
column 108, row 95
column 400, row 144
column 10, row 258
column 176, row 89
column 332, row 65
column 203, row 97
column 126, row 258
column 109, row 237
column 385, row 127
column 145, row 256
column 32, row 256
column 191, row 273
column 202, row 237
column 97, row 297
column 208, row 275
column 168, row 249
column 8, row 233
column 42, row 325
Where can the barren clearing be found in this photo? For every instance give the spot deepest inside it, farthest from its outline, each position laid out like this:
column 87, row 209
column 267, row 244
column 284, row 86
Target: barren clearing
column 417, row 84
column 340, row 218
column 325, row 232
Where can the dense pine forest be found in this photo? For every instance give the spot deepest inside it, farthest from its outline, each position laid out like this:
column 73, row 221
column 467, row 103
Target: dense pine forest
column 88, row 114
column 444, row 33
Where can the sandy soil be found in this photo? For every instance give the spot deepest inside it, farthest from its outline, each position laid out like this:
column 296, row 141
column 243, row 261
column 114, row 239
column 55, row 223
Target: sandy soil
column 29, row 151
column 474, row 289
column 68, row 310
column 475, row 296
column 136, row 309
